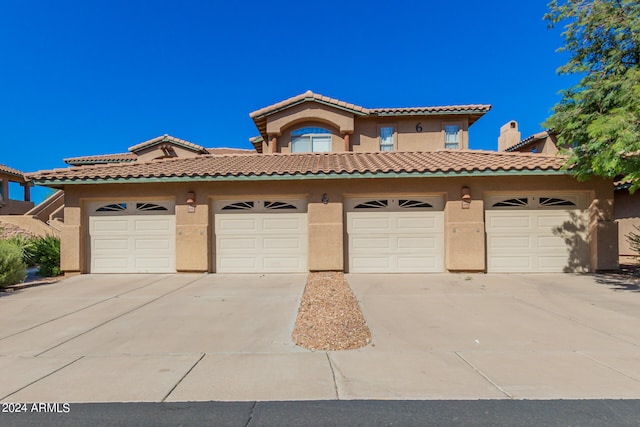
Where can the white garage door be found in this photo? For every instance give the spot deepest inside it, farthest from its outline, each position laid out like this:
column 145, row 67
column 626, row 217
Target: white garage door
column 537, row 233
column 261, row 236
column 395, row 235
column 132, row 237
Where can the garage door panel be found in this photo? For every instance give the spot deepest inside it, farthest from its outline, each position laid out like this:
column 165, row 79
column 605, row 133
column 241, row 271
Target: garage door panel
column 375, row 224
column 509, row 222
column 158, row 264
column 110, row 225
column 279, row 225
column 506, row 263
column 510, row 242
column 370, row 264
column 413, row 263
column 112, row 264
column 552, row 263
column 112, row 244
column 231, row 225
column 552, row 242
column 416, row 224
column 146, row 225
column 237, row 242
column 372, row 243
column 281, row 243
column 281, row 264
column 152, row 245
column 411, row 242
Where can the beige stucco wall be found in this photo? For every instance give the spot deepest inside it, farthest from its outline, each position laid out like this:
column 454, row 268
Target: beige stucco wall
column 363, row 131
column 627, row 215
column 310, row 112
column 464, row 228
column 366, row 137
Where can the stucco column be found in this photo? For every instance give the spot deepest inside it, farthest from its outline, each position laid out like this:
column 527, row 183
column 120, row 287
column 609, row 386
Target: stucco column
column 273, row 143
column 464, row 234
column 192, row 233
column 72, row 247
column 346, row 142
column 603, row 233
column 325, row 236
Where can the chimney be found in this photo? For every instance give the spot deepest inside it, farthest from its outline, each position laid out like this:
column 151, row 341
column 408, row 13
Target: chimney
column 509, row 135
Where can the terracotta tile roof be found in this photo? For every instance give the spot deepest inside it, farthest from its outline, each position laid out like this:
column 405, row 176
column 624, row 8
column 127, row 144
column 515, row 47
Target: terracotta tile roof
column 167, row 138
column 473, row 111
column 310, row 96
column 131, row 157
column 269, row 166
column 419, row 111
column 10, row 171
column 529, row 140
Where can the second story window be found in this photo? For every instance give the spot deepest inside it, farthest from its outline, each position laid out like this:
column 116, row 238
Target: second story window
column 311, row 139
column 386, row 138
column 452, row 137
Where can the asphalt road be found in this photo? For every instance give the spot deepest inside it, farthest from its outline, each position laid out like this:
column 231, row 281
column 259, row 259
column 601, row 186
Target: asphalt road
column 335, row 413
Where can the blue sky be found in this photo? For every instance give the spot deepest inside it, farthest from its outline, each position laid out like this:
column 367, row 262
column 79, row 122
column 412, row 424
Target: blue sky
column 93, row 77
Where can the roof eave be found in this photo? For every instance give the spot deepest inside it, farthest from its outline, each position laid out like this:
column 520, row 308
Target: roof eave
column 289, row 177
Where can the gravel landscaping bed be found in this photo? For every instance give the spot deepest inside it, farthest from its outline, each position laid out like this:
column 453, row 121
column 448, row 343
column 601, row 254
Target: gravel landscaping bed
column 329, row 317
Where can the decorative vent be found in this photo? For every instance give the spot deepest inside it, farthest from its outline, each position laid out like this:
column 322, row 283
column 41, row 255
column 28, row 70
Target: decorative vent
column 373, row 204
column 278, row 205
column 116, row 207
column 509, row 203
column 150, row 207
column 238, row 206
column 552, row 201
column 409, row 204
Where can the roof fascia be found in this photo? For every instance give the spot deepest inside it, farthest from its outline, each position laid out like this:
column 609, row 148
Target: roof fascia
column 333, row 175
column 310, row 99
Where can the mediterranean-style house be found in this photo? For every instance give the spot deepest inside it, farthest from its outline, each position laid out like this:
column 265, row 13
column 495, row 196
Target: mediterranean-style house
column 334, row 186
column 626, row 209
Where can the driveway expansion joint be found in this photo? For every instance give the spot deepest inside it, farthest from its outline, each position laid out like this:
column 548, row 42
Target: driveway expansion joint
column 183, row 377
column 483, row 375
column 41, row 378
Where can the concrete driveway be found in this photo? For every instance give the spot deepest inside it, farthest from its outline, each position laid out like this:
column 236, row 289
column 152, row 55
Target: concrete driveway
column 118, row 338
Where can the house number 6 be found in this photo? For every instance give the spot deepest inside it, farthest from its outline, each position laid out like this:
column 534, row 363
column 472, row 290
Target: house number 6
column 419, row 127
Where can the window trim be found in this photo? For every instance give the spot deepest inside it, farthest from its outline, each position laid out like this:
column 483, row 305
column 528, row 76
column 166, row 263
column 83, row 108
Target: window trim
column 459, row 142
column 394, row 134
column 299, row 134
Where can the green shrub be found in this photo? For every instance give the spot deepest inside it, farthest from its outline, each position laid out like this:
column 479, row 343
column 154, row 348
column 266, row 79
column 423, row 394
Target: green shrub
column 12, row 269
column 28, row 248
column 47, row 255
column 634, row 240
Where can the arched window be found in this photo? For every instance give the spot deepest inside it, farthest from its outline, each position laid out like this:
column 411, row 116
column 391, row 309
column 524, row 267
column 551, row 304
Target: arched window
column 311, row 139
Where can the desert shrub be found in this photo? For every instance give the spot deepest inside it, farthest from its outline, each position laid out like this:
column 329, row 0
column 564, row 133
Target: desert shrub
column 47, row 255
column 27, row 247
column 634, row 240
column 12, row 269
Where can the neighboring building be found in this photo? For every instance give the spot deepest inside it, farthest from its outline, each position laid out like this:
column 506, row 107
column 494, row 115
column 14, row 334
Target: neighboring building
column 334, row 186
column 9, row 205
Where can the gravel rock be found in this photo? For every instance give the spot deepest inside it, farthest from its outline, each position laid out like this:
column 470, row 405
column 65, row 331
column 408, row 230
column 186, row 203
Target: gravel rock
column 329, row 317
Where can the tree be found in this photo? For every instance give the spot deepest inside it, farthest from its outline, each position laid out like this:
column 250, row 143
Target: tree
column 597, row 122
